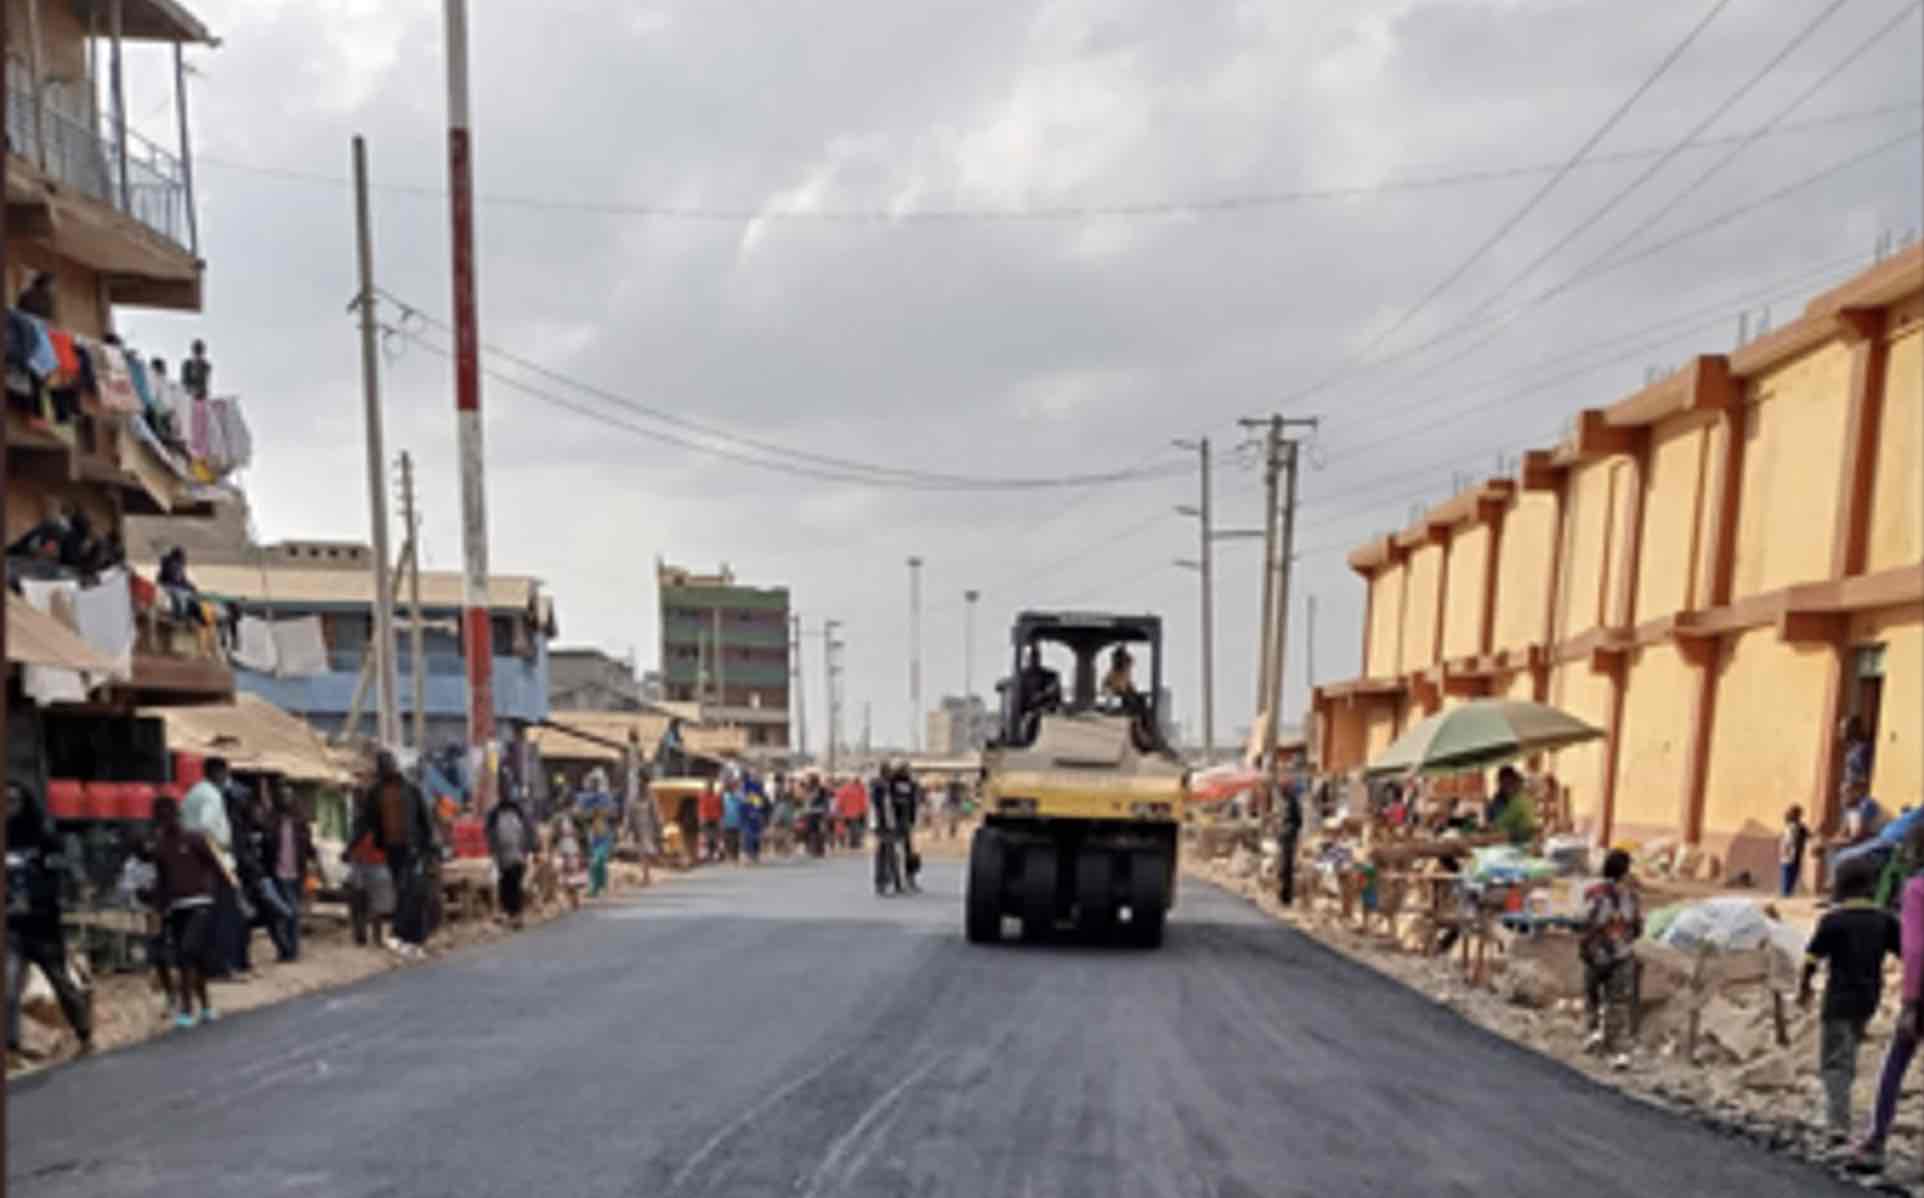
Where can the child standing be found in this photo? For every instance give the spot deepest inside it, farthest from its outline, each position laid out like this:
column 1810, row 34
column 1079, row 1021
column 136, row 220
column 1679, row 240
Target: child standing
column 1790, row 851
column 185, row 870
column 1851, row 940
column 1613, row 919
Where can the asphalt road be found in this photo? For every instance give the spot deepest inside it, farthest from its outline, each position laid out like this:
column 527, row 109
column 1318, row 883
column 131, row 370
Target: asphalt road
column 782, row 1031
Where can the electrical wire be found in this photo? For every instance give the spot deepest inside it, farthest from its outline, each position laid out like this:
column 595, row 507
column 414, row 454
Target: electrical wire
column 1225, row 205
column 1695, row 185
column 1651, row 171
column 823, row 465
column 1581, row 277
column 1516, row 218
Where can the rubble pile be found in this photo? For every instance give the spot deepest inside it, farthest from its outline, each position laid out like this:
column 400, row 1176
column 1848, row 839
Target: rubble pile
column 1750, row 1070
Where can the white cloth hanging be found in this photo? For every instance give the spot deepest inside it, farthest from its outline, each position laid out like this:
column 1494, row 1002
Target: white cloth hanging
column 256, row 649
column 104, row 618
column 300, row 648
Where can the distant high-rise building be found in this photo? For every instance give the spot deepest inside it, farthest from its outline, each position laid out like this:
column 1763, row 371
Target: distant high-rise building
column 725, row 646
column 960, row 724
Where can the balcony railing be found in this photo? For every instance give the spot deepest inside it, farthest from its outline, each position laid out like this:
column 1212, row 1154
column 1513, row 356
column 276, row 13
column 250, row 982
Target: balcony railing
column 88, row 160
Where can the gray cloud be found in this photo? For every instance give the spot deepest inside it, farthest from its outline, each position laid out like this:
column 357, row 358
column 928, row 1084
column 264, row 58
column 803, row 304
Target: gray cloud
column 986, row 347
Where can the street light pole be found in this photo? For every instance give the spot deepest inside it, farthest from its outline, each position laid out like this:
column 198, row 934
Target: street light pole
column 1205, row 565
column 968, row 661
column 915, row 654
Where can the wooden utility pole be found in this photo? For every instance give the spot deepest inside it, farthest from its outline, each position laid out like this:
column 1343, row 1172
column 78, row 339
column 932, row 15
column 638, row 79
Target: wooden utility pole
column 6, row 153
column 417, row 652
column 387, row 723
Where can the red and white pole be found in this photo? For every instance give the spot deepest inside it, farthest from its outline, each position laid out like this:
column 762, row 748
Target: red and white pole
column 477, row 638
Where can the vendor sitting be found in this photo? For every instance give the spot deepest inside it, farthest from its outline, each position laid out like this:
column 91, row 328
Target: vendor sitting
column 1512, row 811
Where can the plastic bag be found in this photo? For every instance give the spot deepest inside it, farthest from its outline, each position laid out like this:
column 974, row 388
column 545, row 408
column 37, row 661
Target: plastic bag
column 1728, row 923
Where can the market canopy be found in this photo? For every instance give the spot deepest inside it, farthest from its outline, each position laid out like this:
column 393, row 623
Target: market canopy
column 595, row 735
column 252, row 734
column 1481, row 733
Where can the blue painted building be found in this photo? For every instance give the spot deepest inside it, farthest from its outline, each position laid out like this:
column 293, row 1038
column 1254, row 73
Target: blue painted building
column 333, row 581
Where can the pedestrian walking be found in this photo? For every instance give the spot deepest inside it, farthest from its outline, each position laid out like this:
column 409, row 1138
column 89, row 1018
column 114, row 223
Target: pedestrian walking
column 1850, row 942
column 290, row 845
column 187, row 876
column 905, row 797
column 509, row 836
column 35, row 938
column 1613, row 920
column 710, row 808
column 601, row 848
column 1289, row 831
column 261, row 905
column 204, row 811
column 1869, row 1154
column 731, row 821
column 393, row 811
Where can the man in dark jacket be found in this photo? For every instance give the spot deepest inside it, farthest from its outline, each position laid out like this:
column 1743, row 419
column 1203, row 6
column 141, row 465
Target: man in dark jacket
column 1289, row 830
column 34, row 935
column 394, row 813
column 905, row 801
column 263, row 905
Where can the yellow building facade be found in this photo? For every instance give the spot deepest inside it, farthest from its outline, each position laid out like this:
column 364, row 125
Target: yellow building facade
column 1716, row 570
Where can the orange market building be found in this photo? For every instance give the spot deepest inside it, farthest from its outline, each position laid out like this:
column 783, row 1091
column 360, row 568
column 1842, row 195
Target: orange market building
column 1716, row 570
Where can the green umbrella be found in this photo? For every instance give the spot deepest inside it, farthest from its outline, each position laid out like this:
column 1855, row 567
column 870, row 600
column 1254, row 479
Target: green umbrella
column 1480, row 733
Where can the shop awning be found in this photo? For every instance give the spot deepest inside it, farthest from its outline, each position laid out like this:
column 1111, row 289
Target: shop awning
column 252, row 734
column 35, row 638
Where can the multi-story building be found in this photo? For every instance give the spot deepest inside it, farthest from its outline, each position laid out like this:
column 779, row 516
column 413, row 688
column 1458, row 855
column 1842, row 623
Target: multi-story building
column 959, row 724
column 333, row 582
column 99, row 219
column 590, row 680
column 1717, row 571
column 726, row 647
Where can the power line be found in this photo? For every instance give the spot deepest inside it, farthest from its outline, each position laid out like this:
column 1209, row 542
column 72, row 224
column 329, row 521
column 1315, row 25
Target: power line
column 1592, row 273
column 1207, row 206
column 827, row 466
column 1663, row 160
column 1517, row 217
column 1695, row 185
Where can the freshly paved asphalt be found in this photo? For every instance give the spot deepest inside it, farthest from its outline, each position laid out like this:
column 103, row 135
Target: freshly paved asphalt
column 782, row 1031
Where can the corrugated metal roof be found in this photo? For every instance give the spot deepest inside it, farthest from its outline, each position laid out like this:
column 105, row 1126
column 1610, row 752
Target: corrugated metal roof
column 252, row 734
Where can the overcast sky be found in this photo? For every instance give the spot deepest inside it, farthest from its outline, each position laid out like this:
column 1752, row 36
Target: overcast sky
column 999, row 345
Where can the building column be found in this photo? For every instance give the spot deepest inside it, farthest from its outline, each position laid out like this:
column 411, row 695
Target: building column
column 1863, row 330
column 1714, row 390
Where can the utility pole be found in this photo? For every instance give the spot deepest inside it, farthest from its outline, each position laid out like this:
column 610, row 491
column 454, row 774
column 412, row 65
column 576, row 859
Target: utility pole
column 1279, row 469
column 6, row 151
column 915, row 654
column 1309, row 639
column 387, row 722
column 477, row 629
column 829, row 673
column 969, row 598
column 795, row 684
column 417, row 649
column 1205, row 566
column 868, row 742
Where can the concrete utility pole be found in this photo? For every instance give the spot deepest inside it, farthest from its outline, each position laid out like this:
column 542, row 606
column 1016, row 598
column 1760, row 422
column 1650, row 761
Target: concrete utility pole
column 1279, row 459
column 1205, row 566
column 915, row 653
column 387, row 720
column 969, row 598
column 417, row 649
column 829, row 673
column 478, row 632
column 795, row 683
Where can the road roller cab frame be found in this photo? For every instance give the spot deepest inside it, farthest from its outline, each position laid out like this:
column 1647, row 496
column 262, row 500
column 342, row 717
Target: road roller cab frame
column 1082, row 800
